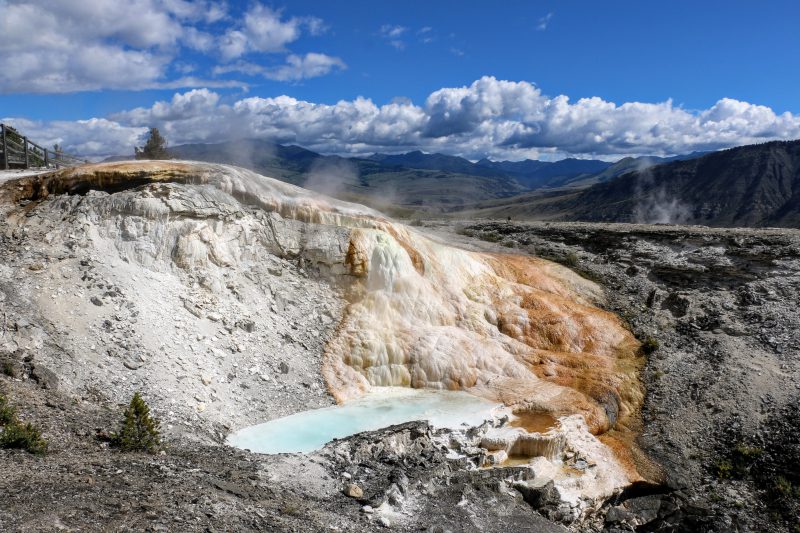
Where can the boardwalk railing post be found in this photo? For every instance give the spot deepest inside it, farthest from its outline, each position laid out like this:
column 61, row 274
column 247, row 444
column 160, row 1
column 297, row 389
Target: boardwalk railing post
column 5, row 147
column 29, row 153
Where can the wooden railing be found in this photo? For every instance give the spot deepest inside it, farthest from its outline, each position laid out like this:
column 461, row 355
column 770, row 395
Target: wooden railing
column 16, row 151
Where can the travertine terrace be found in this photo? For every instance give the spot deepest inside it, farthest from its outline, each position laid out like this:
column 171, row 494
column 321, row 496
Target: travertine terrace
column 403, row 310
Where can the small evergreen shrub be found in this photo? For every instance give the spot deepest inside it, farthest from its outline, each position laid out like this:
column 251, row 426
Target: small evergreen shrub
column 15, row 434
column 291, row 509
column 784, row 486
column 739, row 461
column 24, row 437
column 7, row 413
column 492, row 236
column 723, row 469
column 649, row 346
column 748, row 453
column 139, row 431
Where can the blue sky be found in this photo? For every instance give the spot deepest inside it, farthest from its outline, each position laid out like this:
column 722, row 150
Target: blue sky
column 713, row 74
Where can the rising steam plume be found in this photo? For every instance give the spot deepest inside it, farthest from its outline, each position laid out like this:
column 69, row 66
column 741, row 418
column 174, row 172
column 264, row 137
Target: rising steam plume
column 654, row 204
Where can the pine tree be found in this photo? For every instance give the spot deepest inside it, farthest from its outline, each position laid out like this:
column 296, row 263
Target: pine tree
column 19, row 435
column 139, row 430
column 7, row 413
column 154, row 148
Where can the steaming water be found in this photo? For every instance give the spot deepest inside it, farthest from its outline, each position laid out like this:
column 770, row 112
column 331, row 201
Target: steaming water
column 311, row 430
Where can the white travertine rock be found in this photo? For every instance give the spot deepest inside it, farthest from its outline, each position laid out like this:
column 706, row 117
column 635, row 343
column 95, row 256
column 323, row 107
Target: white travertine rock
column 515, row 329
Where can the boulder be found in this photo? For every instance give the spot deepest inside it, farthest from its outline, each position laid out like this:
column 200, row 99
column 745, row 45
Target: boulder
column 354, row 491
column 542, row 498
column 12, row 367
column 44, row 377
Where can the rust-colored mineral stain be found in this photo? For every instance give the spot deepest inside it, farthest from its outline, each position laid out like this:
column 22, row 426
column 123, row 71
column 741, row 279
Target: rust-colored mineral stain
column 533, row 422
column 413, row 254
column 356, row 260
column 578, row 346
column 517, row 460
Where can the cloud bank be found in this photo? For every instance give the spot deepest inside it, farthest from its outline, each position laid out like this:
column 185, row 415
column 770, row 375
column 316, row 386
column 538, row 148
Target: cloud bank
column 62, row 46
column 491, row 117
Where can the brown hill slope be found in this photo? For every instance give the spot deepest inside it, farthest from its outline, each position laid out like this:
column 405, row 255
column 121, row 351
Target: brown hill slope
column 757, row 185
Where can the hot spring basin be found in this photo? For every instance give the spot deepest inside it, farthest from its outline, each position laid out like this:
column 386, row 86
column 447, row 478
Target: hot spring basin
column 382, row 407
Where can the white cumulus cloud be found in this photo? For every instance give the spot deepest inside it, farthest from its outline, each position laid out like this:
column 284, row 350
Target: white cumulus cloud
column 61, row 46
column 295, row 68
column 490, row 117
column 311, row 65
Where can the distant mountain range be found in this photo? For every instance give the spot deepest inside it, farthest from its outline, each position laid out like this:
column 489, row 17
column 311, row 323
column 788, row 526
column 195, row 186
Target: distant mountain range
column 395, row 188
column 404, row 183
column 531, row 174
column 537, row 174
column 756, row 185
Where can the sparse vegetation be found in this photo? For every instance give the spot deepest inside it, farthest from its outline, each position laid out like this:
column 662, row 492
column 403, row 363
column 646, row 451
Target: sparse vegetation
column 738, row 464
column 588, row 274
column 19, row 435
column 723, row 469
column 290, row 508
column 469, row 232
column 571, row 259
column 649, row 345
column 748, row 453
column 23, row 436
column 139, row 431
column 743, row 458
column 7, row 413
column 492, row 236
column 785, row 488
